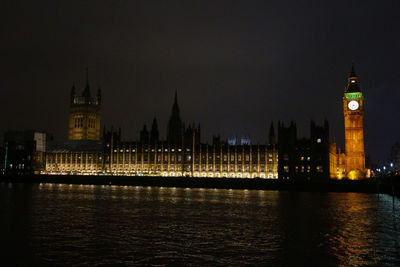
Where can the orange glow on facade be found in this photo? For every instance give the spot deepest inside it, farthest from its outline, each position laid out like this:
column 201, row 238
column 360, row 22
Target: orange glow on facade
column 351, row 163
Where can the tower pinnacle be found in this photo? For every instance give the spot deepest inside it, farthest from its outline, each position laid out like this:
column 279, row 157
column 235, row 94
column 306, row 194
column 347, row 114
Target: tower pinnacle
column 352, row 84
column 352, row 72
column 175, row 125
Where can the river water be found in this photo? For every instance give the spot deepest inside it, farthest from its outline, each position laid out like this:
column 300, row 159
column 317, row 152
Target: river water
column 51, row 224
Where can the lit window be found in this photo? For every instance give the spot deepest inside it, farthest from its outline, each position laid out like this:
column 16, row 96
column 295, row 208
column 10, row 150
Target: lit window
column 319, row 140
column 286, row 168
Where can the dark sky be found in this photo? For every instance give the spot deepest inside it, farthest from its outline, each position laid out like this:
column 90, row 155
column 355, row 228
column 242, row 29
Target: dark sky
column 237, row 65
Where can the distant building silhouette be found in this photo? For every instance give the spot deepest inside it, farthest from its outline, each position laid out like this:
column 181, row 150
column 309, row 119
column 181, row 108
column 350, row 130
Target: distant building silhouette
column 144, row 135
column 154, row 134
column 24, row 152
column 395, row 156
column 305, row 158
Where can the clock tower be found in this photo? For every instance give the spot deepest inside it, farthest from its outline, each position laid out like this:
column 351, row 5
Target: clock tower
column 353, row 109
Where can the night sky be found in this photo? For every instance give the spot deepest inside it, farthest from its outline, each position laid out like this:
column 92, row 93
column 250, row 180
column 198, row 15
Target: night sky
column 237, row 65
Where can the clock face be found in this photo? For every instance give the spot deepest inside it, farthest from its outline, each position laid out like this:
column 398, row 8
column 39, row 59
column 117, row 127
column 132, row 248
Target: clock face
column 353, row 105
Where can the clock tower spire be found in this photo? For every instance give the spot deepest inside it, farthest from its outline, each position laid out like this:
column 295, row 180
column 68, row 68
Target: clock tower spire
column 353, row 109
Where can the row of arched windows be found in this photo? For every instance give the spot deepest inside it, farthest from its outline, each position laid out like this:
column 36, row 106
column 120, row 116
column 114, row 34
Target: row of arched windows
column 78, row 122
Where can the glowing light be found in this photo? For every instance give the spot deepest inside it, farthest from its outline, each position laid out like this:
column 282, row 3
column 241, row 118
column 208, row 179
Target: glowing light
column 355, row 175
column 353, row 95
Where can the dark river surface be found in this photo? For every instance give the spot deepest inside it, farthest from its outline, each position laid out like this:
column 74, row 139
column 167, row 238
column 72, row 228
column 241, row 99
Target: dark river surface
column 51, row 224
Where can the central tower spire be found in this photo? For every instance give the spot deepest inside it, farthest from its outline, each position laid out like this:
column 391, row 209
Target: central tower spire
column 175, row 107
column 175, row 125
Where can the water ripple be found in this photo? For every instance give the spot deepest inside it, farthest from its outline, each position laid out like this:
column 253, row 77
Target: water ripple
column 79, row 225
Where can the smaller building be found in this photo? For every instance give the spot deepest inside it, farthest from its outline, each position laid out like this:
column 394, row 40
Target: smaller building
column 394, row 157
column 24, row 152
column 306, row 158
column 337, row 162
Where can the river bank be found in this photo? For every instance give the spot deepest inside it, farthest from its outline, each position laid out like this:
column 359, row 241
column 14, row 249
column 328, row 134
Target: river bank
column 388, row 185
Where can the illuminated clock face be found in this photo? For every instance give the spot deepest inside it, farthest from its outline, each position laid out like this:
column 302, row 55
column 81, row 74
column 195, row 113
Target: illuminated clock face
column 353, row 105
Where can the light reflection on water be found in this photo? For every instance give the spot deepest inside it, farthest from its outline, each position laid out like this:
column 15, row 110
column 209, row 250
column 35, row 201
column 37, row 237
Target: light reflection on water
column 89, row 225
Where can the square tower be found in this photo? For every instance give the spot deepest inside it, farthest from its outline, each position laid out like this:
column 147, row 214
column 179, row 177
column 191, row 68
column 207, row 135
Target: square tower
column 353, row 110
column 84, row 115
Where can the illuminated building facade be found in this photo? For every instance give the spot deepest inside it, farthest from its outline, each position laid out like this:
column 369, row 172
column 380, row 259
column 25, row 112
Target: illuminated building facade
column 181, row 154
column 84, row 114
column 351, row 163
column 191, row 159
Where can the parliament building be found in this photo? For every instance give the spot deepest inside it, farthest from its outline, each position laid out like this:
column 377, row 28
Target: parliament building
column 182, row 154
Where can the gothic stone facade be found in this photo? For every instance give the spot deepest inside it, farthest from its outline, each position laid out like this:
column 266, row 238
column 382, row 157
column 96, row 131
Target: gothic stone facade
column 351, row 163
column 181, row 154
